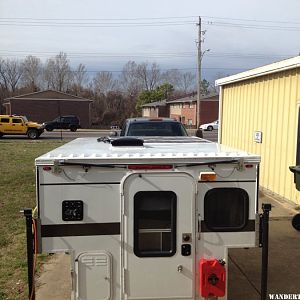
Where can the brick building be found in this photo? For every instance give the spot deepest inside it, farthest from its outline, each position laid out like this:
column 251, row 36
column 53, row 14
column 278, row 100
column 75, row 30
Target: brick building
column 184, row 109
column 47, row 105
column 155, row 109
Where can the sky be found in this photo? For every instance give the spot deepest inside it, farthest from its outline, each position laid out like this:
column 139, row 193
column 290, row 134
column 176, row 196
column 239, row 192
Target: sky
column 104, row 35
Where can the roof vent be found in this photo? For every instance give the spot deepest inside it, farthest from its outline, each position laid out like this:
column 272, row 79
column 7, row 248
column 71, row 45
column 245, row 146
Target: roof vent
column 127, row 141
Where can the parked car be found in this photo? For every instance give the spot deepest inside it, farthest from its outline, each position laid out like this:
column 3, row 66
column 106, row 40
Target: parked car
column 210, row 126
column 19, row 125
column 152, row 127
column 63, row 122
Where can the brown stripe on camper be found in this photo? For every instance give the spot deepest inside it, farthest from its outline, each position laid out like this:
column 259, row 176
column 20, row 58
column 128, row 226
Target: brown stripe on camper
column 250, row 226
column 59, row 230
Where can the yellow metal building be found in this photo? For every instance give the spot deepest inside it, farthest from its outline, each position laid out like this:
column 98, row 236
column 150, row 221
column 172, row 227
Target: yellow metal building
column 259, row 112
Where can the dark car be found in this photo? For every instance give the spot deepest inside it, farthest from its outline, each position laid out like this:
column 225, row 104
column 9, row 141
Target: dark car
column 63, row 122
column 153, row 127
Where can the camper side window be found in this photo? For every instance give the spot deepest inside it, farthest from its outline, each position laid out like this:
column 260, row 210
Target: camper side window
column 155, row 223
column 226, row 209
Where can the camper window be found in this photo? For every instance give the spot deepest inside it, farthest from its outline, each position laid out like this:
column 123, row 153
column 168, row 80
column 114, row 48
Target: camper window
column 155, row 223
column 226, row 209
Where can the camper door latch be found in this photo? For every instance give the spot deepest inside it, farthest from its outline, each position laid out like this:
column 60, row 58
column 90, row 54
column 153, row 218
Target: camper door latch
column 186, row 237
column 241, row 165
column 57, row 167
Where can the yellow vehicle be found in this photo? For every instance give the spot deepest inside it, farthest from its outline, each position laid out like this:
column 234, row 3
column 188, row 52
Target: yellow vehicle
column 19, row 125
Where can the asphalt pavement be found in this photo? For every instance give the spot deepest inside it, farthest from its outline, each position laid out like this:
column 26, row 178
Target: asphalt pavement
column 284, row 257
column 67, row 135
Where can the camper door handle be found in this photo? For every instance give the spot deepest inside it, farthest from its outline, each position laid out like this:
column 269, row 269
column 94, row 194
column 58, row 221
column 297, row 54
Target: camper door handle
column 179, row 268
column 199, row 228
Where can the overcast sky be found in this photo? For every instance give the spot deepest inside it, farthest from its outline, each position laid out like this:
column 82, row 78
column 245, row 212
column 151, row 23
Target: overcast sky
column 104, row 35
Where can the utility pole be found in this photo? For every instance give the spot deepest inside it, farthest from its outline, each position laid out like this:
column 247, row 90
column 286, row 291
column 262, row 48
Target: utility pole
column 199, row 59
column 199, row 74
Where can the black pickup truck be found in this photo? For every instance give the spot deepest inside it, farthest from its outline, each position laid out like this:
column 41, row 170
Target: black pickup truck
column 152, row 127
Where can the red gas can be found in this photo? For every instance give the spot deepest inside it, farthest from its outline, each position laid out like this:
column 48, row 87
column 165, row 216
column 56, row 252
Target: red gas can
column 212, row 278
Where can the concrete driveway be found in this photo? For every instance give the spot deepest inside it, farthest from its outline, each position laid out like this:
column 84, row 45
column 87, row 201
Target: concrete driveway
column 284, row 258
column 244, row 264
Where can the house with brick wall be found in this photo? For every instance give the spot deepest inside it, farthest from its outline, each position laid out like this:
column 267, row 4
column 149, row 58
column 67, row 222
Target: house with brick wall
column 155, row 109
column 47, row 105
column 185, row 109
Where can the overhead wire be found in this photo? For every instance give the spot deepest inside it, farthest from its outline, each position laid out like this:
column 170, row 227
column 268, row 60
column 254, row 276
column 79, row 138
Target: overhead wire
column 145, row 54
column 253, row 26
column 225, row 22
column 158, row 21
column 192, row 17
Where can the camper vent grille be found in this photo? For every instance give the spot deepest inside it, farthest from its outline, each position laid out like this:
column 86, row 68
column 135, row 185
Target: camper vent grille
column 94, row 261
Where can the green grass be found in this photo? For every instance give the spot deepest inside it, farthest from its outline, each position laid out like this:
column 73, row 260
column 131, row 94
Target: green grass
column 17, row 191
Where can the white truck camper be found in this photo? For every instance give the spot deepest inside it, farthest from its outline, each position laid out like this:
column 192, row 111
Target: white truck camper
column 147, row 218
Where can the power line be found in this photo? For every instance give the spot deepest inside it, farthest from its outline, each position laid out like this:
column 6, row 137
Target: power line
column 251, row 20
column 144, row 54
column 253, row 26
column 150, row 24
column 179, row 69
column 194, row 18
column 99, row 19
column 95, row 25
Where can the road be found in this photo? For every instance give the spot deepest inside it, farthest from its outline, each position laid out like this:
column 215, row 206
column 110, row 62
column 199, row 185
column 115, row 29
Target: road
column 68, row 135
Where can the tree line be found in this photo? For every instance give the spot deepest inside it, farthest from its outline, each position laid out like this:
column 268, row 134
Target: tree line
column 114, row 97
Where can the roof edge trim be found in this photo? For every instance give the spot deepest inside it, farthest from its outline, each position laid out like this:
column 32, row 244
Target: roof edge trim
column 288, row 64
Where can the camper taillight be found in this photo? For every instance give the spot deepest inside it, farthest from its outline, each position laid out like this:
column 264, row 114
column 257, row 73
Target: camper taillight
column 212, row 278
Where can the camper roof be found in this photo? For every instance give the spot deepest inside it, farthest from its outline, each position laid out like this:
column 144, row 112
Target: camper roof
column 191, row 150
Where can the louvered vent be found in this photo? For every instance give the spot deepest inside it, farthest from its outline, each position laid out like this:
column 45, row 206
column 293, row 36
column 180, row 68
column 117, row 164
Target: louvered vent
column 100, row 260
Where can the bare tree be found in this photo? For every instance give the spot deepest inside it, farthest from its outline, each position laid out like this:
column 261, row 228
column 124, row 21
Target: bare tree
column 173, row 77
column 58, row 73
column 32, row 71
column 3, row 79
column 187, row 82
column 79, row 79
column 128, row 79
column 104, row 82
column 149, row 76
column 10, row 72
column 3, row 85
column 182, row 82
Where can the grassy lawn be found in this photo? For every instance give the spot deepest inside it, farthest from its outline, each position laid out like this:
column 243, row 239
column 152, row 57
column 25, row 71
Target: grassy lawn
column 17, row 190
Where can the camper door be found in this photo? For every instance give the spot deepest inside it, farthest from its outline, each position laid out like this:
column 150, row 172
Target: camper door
column 158, row 234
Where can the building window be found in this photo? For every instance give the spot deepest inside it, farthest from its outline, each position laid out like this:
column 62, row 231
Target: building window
column 191, row 105
column 155, row 223
column 226, row 209
column 190, row 122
